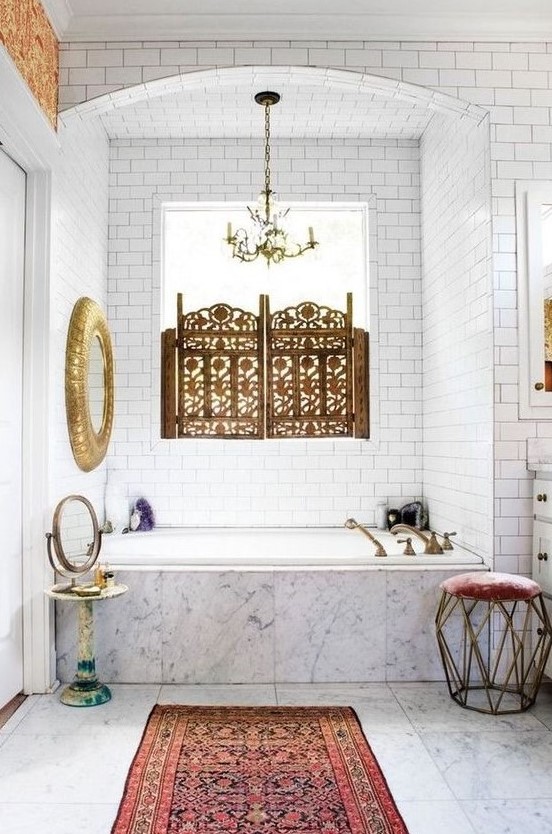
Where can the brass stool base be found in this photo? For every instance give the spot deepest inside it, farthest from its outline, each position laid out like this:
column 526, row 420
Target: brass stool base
column 501, row 650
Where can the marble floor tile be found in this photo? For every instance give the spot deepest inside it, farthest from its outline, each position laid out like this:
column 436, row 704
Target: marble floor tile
column 543, row 707
column 429, row 706
column 129, row 707
column 77, row 768
column 496, row 765
column 30, row 818
column 509, row 816
column 410, row 771
column 72, row 763
column 432, row 816
column 231, row 694
column 374, row 703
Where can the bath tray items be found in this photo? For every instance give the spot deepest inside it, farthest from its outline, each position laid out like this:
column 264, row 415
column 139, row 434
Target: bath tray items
column 414, row 515
column 87, row 590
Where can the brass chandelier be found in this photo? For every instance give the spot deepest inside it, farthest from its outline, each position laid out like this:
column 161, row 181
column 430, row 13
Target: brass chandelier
column 267, row 236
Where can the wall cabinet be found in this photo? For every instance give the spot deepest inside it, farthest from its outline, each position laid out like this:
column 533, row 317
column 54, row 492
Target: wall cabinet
column 542, row 545
column 542, row 556
column 542, row 534
column 534, row 262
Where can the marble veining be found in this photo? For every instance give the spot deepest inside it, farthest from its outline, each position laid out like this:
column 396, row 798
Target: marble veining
column 503, row 816
column 127, row 633
column 414, row 775
column 324, row 623
column 425, row 707
column 218, row 628
column 474, row 763
column 262, row 626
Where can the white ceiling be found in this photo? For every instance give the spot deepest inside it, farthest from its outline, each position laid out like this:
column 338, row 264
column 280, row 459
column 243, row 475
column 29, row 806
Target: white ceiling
column 305, row 110
column 301, row 19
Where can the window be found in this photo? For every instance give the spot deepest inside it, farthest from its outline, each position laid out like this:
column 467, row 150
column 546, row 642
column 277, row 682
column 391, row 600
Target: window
column 288, row 362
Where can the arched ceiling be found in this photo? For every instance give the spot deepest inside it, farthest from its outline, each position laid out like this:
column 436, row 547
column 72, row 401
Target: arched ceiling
column 315, row 102
column 305, row 110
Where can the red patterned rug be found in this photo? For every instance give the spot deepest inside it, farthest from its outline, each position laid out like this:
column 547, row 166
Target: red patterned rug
column 255, row 770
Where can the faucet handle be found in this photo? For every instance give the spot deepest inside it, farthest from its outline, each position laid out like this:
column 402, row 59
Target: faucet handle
column 447, row 544
column 409, row 550
column 433, row 547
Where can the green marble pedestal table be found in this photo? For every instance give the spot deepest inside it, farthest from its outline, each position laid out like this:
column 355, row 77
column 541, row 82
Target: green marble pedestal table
column 86, row 690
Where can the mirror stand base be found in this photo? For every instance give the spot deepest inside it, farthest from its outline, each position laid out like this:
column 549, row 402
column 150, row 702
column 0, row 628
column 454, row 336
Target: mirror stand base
column 85, row 694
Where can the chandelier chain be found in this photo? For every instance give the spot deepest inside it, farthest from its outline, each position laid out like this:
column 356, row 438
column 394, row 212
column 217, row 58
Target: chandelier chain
column 267, row 158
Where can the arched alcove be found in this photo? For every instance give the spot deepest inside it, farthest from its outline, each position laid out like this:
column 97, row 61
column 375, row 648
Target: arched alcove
column 421, row 158
column 224, row 86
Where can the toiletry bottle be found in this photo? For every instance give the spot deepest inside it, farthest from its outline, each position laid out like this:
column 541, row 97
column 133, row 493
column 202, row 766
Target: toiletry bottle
column 381, row 515
column 393, row 517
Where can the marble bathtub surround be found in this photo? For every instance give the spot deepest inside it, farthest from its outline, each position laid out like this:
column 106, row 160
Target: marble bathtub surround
column 261, row 627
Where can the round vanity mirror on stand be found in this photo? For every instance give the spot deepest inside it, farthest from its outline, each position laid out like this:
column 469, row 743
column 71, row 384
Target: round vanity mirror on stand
column 75, row 541
column 73, row 549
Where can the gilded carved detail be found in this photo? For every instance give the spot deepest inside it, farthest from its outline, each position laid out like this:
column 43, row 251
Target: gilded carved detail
column 27, row 35
column 231, row 373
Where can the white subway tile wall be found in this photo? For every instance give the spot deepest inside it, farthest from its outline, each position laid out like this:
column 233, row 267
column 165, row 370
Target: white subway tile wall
column 265, row 482
column 457, row 330
column 79, row 268
column 512, row 81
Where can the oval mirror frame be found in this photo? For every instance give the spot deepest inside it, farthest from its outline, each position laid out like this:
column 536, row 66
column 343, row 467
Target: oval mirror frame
column 87, row 323
column 59, row 560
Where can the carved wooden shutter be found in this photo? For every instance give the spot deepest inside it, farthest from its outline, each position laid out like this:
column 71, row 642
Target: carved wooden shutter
column 213, row 369
column 168, row 383
column 309, row 371
column 220, row 372
column 361, row 365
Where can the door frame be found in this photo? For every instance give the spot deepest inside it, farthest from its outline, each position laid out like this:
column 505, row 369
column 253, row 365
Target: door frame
column 28, row 138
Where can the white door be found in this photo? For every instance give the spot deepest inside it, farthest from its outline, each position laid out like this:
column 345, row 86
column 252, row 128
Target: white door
column 12, row 238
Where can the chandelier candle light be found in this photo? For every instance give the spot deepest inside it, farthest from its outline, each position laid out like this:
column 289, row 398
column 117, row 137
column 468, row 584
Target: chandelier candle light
column 267, row 237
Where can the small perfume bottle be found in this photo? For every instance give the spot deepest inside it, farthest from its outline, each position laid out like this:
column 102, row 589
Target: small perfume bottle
column 109, row 578
column 99, row 576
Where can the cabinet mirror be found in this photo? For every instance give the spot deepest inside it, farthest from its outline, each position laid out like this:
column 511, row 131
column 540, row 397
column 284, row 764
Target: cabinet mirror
column 89, row 384
column 534, row 233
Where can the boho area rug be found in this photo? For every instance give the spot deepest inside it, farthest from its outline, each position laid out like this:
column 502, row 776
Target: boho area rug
column 255, row 770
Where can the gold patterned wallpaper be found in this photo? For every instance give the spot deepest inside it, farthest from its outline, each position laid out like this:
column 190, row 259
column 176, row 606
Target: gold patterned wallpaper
column 26, row 33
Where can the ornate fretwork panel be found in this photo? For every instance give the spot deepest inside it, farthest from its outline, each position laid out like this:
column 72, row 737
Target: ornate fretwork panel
column 218, row 363
column 309, row 371
column 220, row 372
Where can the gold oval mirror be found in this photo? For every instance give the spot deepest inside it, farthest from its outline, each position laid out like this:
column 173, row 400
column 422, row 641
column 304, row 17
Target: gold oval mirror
column 89, row 384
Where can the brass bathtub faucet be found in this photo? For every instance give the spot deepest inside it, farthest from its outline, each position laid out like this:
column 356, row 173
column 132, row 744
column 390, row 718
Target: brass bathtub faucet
column 431, row 545
column 352, row 524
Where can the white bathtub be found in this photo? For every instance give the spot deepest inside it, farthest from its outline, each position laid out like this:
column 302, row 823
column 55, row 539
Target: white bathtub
column 278, row 548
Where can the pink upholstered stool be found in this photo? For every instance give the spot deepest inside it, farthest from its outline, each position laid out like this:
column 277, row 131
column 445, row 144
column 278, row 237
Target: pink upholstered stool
column 494, row 636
